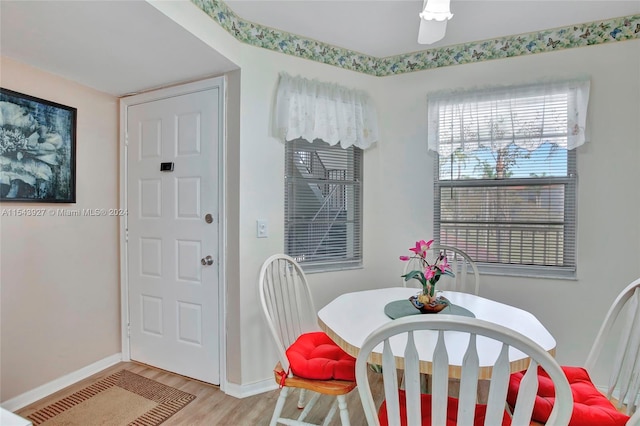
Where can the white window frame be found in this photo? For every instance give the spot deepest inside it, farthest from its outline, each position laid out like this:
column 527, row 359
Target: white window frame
column 570, row 224
column 568, row 270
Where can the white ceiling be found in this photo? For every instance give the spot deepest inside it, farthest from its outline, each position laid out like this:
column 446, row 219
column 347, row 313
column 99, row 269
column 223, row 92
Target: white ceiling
column 117, row 47
column 120, row 47
column 390, row 27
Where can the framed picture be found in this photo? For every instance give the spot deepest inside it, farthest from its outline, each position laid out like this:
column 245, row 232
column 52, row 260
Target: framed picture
column 37, row 149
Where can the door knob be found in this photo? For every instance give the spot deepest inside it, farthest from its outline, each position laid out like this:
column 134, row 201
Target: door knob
column 207, row 261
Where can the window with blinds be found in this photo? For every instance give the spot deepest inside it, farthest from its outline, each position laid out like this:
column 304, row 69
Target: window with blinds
column 323, row 205
column 505, row 184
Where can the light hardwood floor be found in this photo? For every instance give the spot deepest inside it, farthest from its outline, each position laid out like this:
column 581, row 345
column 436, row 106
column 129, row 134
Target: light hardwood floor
column 212, row 406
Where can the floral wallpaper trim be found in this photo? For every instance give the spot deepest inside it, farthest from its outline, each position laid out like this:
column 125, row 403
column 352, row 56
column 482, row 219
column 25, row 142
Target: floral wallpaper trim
column 587, row 34
column 592, row 33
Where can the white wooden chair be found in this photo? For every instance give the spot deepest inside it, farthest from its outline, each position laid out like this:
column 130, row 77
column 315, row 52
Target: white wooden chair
column 623, row 389
column 624, row 380
column 467, row 276
column 433, row 407
column 290, row 312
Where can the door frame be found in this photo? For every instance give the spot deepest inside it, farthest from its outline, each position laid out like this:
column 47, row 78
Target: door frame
column 136, row 99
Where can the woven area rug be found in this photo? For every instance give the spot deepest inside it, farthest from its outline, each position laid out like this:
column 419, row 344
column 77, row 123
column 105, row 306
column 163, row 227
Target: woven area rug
column 123, row 398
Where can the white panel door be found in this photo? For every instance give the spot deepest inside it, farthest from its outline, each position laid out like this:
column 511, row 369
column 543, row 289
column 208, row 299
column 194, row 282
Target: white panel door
column 172, row 247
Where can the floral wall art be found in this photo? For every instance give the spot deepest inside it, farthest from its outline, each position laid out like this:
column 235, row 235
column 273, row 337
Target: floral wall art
column 37, row 149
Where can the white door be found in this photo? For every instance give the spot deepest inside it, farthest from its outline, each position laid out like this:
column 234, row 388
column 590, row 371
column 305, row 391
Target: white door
column 172, row 243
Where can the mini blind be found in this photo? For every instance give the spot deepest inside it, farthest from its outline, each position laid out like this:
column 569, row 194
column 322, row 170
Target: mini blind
column 505, row 184
column 323, row 204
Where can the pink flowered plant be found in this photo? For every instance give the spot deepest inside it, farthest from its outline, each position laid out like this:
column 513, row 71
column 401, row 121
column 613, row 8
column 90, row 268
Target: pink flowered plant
column 429, row 273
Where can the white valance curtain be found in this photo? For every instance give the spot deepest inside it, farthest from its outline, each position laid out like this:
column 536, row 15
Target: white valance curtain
column 311, row 110
column 497, row 117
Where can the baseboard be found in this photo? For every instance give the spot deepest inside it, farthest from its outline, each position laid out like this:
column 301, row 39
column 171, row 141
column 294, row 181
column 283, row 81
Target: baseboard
column 47, row 389
column 243, row 391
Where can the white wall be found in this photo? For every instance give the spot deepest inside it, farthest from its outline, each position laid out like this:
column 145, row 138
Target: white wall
column 59, row 276
column 399, row 177
column 262, row 194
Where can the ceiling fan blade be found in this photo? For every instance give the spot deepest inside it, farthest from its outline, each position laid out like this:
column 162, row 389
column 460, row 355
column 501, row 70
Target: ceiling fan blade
column 431, row 31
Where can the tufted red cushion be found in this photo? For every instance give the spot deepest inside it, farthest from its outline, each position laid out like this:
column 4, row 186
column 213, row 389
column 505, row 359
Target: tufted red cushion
column 425, row 409
column 590, row 407
column 316, row 356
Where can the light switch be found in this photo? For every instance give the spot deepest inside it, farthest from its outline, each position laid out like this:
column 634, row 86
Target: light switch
column 263, row 231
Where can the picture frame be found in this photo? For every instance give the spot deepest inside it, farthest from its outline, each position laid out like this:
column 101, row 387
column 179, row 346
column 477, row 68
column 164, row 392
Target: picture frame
column 37, row 149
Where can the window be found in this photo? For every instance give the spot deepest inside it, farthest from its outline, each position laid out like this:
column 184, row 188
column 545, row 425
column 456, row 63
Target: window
column 505, row 183
column 324, row 127
column 323, row 205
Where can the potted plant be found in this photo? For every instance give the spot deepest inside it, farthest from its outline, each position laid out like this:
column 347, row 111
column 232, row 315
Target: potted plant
column 428, row 275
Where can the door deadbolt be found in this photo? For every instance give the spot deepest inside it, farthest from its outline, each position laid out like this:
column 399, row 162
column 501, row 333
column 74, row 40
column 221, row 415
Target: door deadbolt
column 207, row 261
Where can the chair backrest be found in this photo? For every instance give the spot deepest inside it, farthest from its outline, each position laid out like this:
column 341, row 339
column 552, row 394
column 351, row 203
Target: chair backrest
column 286, row 302
column 467, row 276
column 624, row 379
column 634, row 420
column 415, row 330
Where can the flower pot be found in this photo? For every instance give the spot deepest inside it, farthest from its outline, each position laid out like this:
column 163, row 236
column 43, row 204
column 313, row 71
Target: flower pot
column 434, row 306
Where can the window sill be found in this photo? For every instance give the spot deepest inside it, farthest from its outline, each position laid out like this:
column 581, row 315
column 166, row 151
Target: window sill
column 528, row 271
column 317, row 269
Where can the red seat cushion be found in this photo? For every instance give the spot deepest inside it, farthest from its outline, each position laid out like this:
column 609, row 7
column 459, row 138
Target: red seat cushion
column 425, row 409
column 590, row 407
column 316, row 356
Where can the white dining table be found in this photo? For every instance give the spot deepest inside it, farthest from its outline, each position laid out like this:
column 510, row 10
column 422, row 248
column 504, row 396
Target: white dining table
column 351, row 317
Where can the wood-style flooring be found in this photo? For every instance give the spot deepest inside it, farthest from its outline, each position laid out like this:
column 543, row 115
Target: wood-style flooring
column 214, row 407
